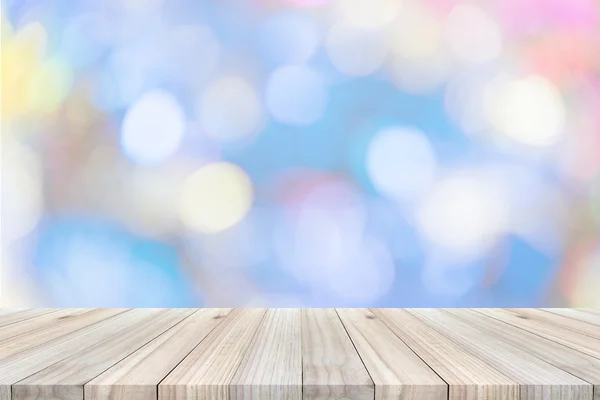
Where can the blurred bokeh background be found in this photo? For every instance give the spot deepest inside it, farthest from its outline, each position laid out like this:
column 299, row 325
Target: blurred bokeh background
column 386, row 153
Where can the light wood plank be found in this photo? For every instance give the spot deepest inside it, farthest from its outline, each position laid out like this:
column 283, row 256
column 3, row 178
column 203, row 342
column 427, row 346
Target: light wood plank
column 58, row 324
column 579, row 364
column 207, row 371
column 537, row 378
column 137, row 376
column 332, row 369
column 580, row 315
column 271, row 368
column 65, row 379
column 590, row 310
column 562, row 335
column 12, row 316
column 21, row 365
column 38, row 324
column 469, row 377
column 560, row 320
column 398, row 373
column 150, row 354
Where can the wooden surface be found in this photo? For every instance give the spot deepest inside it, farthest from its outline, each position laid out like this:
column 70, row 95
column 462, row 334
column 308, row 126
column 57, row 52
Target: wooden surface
column 299, row 354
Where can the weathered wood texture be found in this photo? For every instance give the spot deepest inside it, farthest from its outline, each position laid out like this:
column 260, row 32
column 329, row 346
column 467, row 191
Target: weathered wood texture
column 299, row 354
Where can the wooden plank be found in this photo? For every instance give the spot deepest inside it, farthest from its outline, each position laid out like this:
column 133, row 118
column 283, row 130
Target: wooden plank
column 65, row 379
column 559, row 334
column 358, row 354
column 537, row 378
column 395, row 369
column 12, row 316
column 579, row 364
column 271, row 368
column 331, row 367
column 137, row 376
column 469, row 377
column 580, row 315
column 38, row 324
column 207, row 371
column 58, row 324
column 21, row 365
column 560, row 320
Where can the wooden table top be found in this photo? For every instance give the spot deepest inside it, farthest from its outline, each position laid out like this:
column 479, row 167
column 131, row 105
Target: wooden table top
column 416, row 354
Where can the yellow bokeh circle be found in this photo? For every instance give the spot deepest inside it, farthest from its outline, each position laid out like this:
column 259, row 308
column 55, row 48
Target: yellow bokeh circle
column 215, row 197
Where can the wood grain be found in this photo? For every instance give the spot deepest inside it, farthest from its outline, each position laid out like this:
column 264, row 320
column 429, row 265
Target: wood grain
column 59, row 325
column 580, row 315
column 33, row 326
column 28, row 362
column 207, row 371
column 331, row 366
column 572, row 324
column 579, row 364
column 293, row 354
column 469, row 377
column 137, row 376
column 537, row 379
column 65, row 379
column 560, row 334
column 12, row 316
column 398, row 373
column 271, row 368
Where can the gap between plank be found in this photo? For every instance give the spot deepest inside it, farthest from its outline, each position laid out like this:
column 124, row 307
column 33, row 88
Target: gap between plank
column 534, row 355
column 249, row 344
column 193, row 348
column 223, row 320
column 411, row 349
column 160, row 334
column 62, row 359
column 570, row 317
column 357, row 352
column 53, row 310
column 535, row 333
column 594, row 391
